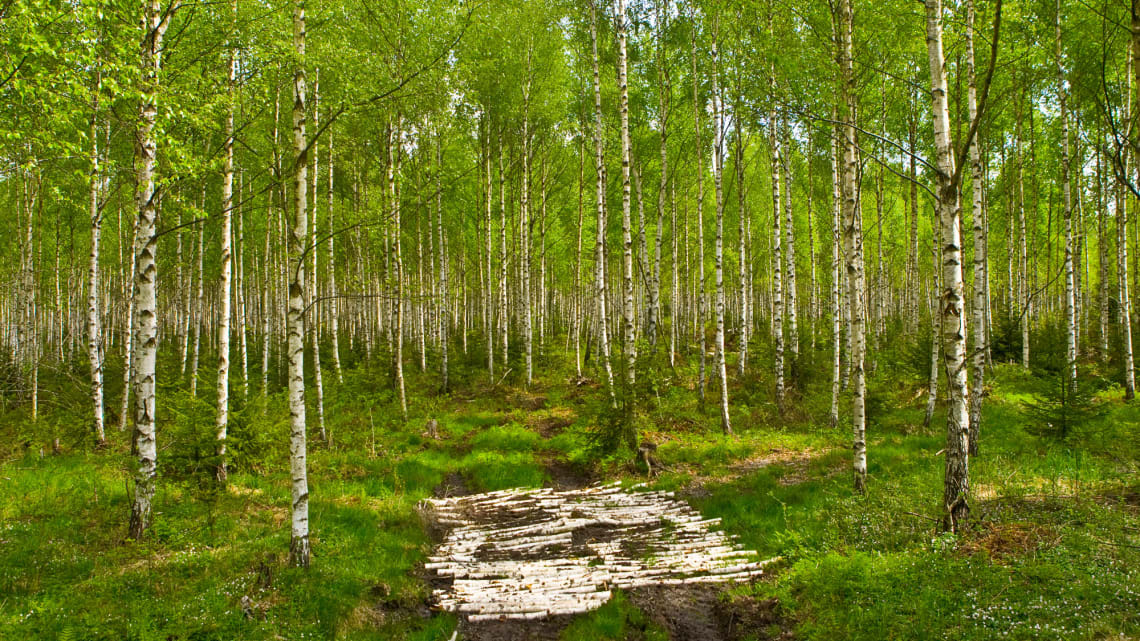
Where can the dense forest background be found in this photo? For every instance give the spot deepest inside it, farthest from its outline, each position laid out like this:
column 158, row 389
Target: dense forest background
column 256, row 249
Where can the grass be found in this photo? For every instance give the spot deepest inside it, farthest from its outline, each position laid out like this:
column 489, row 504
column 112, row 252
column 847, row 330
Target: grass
column 1054, row 550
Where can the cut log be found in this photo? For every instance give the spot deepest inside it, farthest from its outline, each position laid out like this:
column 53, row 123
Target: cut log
column 526, row 554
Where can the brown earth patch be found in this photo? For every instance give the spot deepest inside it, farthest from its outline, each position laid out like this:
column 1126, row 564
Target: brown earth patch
column 527, row 401
column 1125, row 496
column 564, row 475
column 551, row 423
column 797, row 462
column 1003, row 541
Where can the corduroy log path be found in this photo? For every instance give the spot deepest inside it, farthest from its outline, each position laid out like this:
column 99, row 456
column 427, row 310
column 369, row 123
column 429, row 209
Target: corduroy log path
column 526, row 554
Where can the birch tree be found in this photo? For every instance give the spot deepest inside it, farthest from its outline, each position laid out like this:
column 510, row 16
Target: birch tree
column 600, row 195
column 227, row 266
column 155, row 22
column 956, row 486
column 853, row 243
column 718, row 164
column 1067, row 204
column 630, row 344
column 94, row 308
column 978, row 356
column 295, row 314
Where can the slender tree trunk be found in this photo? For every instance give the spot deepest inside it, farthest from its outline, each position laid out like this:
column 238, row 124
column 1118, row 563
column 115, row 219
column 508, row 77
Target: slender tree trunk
column 1066, row 194
column 698, row 107
column 630, row 345
column 155, row 22
column 1102, row 256
column 313, row 321
column 675, row 297
column 129, row 331
column 295, row 316
column 778, row 305
column 977, row 179
column 444, row 294
column 199, row 302
column 791, row 298
column 578, row 297
column 912, row 245
column 813, row 304
column 600, row 243
column 718, row 171
column 394, row 141
column 334, row 304
column 223, row 415
column 853, row 244
column 242, row 317
column 1125, row 298
column 836, row 273
column 957, row 479
column 1023, row 244
column 504, row 319
column 936, row 326
column 490, row 291
column 524, row 230
column 94, row 311
column 743, row 237
column 663, row 103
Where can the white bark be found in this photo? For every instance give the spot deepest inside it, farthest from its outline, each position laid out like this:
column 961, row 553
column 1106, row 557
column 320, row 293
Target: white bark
column 742, row 250
column 836, row 275
column 155, row 22
column 953, row 317
column 394, row 141
column 791, row 298
column 334, row 307
column 524, row 230
column 1067, row 203
column 295, row 315
column 444, row 294
column 630, row 344
column 600, row 243
column 1125, row 299
column 312, row 323
column 223, row 410
column 977, row 179
column 699, row 320
column 778, row 305
column 718, row 171
column 853, row 244
column 94, row 311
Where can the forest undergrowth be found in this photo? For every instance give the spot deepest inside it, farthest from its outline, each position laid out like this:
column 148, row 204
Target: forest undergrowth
column 1052, row 551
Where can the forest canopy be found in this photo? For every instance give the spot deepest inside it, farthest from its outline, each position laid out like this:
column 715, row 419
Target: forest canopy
column 238, row 232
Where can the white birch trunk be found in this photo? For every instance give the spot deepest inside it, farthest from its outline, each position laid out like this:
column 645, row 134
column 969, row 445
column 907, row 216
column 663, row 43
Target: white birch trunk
column 630, row 345
column 977, row 179
column 155, row 22
column 718, row 171
column 334, row 304
column 836, row 275
column 953, row 317
column 600, row 243
column 778, row 306
column 312, row 324
column 94, row 311
column 1067, row 203
column 699, row 320
column 524, row 231
column 295, row 315
column 791, row 300
column 223, row 410
column 853, row 244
